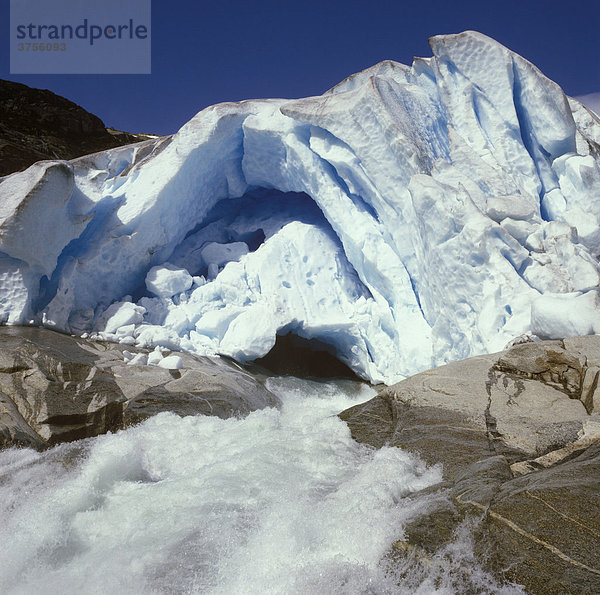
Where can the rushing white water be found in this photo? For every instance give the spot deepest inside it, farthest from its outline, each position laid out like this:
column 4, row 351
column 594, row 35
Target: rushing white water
column 281, row 501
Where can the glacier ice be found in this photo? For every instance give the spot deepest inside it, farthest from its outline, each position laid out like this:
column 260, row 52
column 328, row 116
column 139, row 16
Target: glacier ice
column 408, row 217
column 167, row 280
column 591, row 101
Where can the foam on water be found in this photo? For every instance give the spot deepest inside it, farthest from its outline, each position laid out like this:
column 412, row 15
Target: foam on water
column 282, row 501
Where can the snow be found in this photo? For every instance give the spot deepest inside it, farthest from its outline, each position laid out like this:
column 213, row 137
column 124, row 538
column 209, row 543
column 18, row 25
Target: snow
column 167, row 280
column 408, row 217
column 220, row 254
column 567, row 315
column 155, row 357
column 591, row 101
column 499, row 208
column 135, row 359
column 171, row 362
column 121, row 315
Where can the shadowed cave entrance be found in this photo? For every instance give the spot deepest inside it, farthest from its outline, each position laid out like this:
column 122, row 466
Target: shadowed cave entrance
column 295, row 356
column 253, row 219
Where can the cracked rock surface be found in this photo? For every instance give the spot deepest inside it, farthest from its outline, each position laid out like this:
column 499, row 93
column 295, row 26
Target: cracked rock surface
column 57, row 388
column 517, row 434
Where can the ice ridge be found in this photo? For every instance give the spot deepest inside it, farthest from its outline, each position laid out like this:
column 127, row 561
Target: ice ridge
column 408, row 217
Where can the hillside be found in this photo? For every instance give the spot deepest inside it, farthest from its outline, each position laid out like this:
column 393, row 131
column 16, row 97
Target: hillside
column 36, row 124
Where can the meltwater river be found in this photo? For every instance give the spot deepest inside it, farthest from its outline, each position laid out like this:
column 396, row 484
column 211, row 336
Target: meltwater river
column 281, row 501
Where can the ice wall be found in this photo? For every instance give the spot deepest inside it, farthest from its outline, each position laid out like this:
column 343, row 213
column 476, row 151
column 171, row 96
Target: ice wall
column 408, row 217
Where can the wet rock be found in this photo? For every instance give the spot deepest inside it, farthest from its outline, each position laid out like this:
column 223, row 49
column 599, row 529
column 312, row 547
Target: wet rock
column 542, row 529
column 14, row 430
column 206, row 386
column 532, row 399
column 518, row 436
column 56, row 388
column 437, row 435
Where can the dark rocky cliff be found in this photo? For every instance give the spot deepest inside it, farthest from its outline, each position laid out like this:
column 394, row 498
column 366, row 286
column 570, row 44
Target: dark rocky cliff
column 37, row 124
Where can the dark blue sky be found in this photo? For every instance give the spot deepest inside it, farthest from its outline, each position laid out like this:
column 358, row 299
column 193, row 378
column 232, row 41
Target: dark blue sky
column 205, row 52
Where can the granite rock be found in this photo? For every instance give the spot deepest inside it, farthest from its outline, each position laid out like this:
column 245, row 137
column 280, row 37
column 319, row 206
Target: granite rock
column 56, row 388
column 517, row 435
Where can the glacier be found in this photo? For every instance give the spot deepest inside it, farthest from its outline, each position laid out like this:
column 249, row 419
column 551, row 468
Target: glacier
column 408, row 217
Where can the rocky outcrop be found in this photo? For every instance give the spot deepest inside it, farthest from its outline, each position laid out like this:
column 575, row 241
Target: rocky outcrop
column 517, row 434
column 37, row 125
column 56, row 388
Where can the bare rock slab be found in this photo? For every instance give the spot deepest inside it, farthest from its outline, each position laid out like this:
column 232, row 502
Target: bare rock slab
column 517, row 434
column 56, row 388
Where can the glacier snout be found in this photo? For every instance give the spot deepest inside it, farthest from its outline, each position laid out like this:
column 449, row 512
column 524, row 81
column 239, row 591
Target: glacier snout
column 409, row 217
